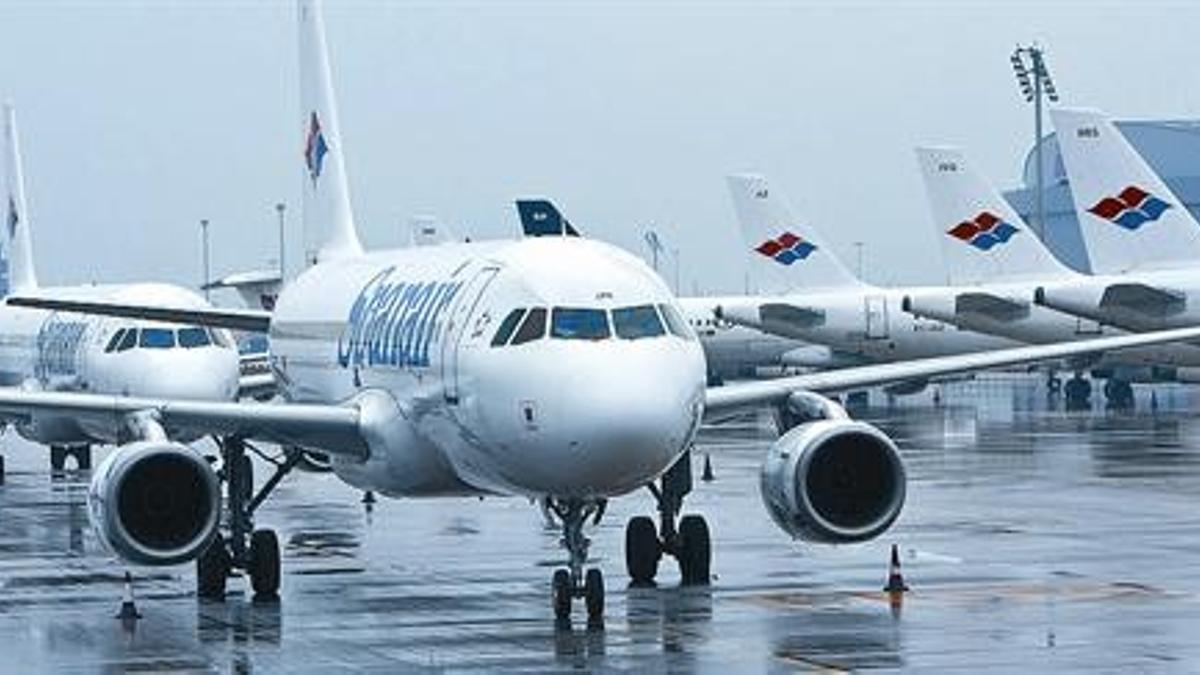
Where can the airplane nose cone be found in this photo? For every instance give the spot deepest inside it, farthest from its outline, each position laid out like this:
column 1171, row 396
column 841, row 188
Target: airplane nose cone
column 209, row 374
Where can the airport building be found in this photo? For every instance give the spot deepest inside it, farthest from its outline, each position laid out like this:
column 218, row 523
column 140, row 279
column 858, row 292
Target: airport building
column 1172, row 147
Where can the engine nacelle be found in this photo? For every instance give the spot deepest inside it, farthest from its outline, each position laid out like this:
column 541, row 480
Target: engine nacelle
column 833, row 481
column 155, row 503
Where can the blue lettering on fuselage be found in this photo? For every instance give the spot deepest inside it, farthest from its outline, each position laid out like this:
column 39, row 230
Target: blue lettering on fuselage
column 394, row 323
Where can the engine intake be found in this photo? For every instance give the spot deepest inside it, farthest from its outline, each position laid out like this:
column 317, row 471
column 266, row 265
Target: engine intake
column 833, row 481
column 155, row 503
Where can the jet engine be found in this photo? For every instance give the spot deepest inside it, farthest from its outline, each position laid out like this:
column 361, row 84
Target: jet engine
column 833, row 481
column 155, row 503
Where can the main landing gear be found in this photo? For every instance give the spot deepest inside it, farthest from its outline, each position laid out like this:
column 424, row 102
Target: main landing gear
column 255, row 552
column 689, row 543
column 81, row 452
column 568, row 584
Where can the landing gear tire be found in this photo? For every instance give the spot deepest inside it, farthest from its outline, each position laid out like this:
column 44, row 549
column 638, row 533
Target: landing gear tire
column 58, row 457
column 642, row 550
column 264, row 563
column 593, row 594
column 695, row 551
column 212, row 570
column 561, row 594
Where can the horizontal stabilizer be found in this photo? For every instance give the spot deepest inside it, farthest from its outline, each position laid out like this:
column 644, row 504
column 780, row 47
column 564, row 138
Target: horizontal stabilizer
column 234, row 319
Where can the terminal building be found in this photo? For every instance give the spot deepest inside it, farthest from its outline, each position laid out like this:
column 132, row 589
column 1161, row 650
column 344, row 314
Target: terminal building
column 1171, row 147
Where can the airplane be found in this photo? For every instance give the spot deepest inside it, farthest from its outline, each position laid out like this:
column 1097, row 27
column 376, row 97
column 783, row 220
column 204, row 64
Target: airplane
column 60, row 351
column 1142, row 241
column 551, row 368
column 996, row 263
column 731, row 351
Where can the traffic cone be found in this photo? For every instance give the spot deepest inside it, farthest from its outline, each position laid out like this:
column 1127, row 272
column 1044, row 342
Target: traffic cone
column 707, row 476
column 895, row 582
column 128, row 609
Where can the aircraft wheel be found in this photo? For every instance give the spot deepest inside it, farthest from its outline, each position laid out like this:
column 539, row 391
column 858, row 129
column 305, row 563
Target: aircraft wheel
column 593, row 593
column 642, row 550
column 264, row 563
column 561, row 594
column 212, row 570
column 695, row 550
column 58, row 458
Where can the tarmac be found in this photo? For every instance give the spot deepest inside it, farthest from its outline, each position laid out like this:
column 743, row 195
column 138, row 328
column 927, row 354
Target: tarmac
column 1032, row 539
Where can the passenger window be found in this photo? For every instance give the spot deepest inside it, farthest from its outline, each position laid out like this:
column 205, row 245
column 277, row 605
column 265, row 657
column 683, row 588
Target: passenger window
column 129, row 341
column 157, row 338
column 570, row 323
column 633, row 323
column 193, row 337
column 116, row 340
column 532, row 328
column 675, row 322
column 508, row 326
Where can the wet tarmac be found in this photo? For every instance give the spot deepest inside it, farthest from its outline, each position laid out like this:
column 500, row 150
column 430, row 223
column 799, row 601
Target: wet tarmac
column 1032, row 539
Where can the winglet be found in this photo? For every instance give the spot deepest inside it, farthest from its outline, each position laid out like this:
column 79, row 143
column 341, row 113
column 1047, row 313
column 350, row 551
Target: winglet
column 540, row 218
column 326, row 192
column 16, row 216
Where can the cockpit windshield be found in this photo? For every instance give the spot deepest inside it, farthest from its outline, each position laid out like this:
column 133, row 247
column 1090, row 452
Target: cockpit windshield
column 634, row 323
column 587, row 323
column 194, row 337
column 156, row 338
column 574, row 323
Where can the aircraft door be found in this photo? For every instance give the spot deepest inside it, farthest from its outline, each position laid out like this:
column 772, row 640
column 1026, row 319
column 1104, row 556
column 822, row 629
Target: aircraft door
column 876, row 317
column 461, row 323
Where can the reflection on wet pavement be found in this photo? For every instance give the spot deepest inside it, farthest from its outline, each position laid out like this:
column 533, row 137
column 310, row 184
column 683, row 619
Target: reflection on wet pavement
column 1032, row 538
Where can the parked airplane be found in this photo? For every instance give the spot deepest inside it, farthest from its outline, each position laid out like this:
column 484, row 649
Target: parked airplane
column 1141, row 239
column 995, row 264
column 555, row 368
column 61, row 351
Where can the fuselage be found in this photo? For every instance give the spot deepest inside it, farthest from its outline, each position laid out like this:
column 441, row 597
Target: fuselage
column 543, row 366
column 62, row 351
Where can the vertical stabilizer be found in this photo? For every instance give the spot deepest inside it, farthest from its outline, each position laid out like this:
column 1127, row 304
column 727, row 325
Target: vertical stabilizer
column 1128, row 217
column 326, row 195
column 779, row 245
column 21, row 275
column 983, row 239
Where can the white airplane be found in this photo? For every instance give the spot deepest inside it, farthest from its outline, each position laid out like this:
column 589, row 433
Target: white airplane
column 828, row 305
column 1142, row 241
column 731, row 351
column 553, row 368
column 995, row 264
column 61, row 351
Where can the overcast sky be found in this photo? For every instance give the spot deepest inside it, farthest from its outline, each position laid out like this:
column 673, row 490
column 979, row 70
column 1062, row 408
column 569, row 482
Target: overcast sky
column 138, row 119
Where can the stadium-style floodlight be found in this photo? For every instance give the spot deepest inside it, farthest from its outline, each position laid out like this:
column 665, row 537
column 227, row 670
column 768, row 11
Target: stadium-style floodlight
column 1029, row 65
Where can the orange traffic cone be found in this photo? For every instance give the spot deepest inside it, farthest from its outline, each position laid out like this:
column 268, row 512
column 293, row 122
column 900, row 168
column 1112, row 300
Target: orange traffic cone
column 895, row 582
column 128, row 609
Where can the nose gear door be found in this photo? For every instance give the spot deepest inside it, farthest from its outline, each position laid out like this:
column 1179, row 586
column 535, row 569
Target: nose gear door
column 462, row 325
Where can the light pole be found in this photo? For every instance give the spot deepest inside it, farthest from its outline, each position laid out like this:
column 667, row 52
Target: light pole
column 655, row 245
column 280, row 208
column 204, row 246
column 1029, row 65
column 858, row 249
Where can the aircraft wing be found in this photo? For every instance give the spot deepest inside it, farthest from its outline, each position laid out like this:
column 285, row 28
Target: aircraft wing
column 236, row 319
column 723, row 399
column 333, row 429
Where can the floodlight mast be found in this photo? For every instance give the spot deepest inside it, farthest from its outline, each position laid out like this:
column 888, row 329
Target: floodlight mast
column 1029, row 65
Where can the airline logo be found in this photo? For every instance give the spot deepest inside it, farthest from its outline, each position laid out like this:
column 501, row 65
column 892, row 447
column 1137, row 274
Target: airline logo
column 315, row 148
column 786, row 249
column 1131, row 208
column 393, row 322
column 13, row 217
column 984, row 231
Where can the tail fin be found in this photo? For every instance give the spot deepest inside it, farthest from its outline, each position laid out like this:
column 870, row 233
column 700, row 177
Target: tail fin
column 326, row 195
column 779, row 245
column 1128, row 217
column 539, row 218
column 983, row 238
column 21, row 274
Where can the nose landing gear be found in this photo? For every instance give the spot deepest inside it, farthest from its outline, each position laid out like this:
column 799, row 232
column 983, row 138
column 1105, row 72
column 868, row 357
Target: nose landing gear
column 690, row 542
column 568, row 584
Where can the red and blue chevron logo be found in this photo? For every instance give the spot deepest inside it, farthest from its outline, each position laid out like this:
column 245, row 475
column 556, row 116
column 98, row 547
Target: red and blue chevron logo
column 315, row 148
column 1131, row 208
column 786, row 249
column 984, row 231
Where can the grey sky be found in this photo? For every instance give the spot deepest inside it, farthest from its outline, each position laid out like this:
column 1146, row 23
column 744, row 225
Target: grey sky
column 138, row 119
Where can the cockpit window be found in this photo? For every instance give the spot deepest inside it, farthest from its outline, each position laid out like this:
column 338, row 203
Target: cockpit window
column 573, row 323
column 633, row 323
column 157, row 338
column 532, row 328
column 129, row 340
column 116, row 340
column 675, row 323
column 508, row 326
column 193, row 337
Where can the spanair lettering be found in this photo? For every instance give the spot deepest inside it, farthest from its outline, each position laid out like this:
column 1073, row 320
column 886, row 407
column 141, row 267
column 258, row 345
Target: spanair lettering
column 393, row 323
